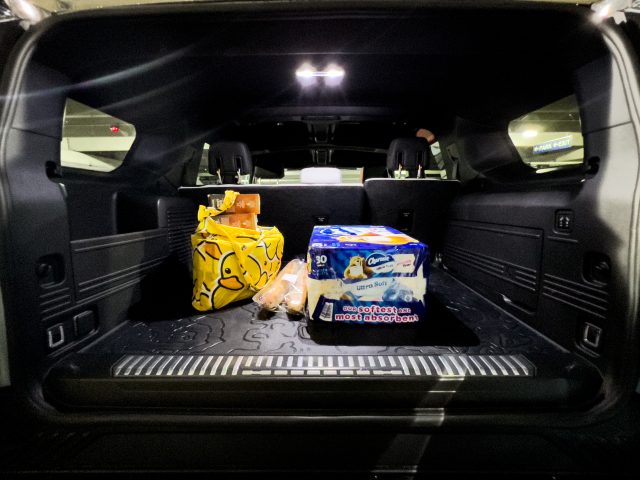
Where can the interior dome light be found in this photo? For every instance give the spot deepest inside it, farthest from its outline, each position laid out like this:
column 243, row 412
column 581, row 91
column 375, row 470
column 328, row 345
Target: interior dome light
column 305, row 71
column 334, row 71
column 333, row 75
column 306, row 75
column 530, row 133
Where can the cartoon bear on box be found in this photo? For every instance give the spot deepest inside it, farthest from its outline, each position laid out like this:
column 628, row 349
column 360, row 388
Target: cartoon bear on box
column 357, row 270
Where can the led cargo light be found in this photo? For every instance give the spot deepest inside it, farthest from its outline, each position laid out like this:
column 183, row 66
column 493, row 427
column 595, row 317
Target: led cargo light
column 530, row 133
column 306, row 71
column 307, row 75
column 333, row 75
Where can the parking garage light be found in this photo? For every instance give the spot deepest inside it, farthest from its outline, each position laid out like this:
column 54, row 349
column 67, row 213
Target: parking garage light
column 610, row 8
column 25, row 10
column 604, row 10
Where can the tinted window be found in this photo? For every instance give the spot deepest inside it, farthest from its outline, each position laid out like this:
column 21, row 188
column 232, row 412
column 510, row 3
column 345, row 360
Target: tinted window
column 550, row 138
column 93, row 140
column 204, row 177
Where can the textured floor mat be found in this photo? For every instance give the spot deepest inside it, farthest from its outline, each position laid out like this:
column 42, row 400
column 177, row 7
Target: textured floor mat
column 459, row 321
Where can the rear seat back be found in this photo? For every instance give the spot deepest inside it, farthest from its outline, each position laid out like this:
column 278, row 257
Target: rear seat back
column 417, row 207
column 295, row 209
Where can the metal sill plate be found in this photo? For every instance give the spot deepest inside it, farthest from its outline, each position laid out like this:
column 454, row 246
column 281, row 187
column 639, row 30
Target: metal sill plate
column 453, row 365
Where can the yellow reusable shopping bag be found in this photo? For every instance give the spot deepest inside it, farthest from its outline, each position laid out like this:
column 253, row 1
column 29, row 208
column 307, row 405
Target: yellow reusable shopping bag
column 231, row 263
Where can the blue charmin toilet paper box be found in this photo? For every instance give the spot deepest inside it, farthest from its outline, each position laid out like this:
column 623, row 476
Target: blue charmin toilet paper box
column 366, row 274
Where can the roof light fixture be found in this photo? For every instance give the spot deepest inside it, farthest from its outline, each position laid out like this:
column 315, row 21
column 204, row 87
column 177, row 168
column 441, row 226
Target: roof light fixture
column 332, row 75
column 306, row 75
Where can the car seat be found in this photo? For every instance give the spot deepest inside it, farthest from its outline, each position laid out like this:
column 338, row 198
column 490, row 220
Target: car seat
column 407, row 157
column 231, row 162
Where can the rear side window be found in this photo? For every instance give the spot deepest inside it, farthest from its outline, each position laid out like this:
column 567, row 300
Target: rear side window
column 204, row 177
column 93, row 140
column 550, row 138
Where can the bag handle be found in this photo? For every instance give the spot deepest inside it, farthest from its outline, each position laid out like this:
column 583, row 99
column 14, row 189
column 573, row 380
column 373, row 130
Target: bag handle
column 242, row 251
column 209, row 228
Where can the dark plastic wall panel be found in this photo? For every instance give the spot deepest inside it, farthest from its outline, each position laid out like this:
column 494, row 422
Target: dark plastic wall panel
column 40, row 213
column 418, row 207
column 602, row 228
column 105, row 263
column 99, row 209
column 557, row 305
column 180, row 217
column 92, row 209
column 42, row 97
column 485, row 147
column 570, row 295
column 37, row 275
column 501, row 261
column 599, row 89
column 42, row 286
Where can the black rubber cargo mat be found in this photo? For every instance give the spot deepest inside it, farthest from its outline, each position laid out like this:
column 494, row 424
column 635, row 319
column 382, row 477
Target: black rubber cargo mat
column 467, row 352
column 459, row 321
column 245, row 329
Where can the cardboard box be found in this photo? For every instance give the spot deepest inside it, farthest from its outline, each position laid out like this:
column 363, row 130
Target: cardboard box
column 240, row 220
column 245, row 202
column 366, row 274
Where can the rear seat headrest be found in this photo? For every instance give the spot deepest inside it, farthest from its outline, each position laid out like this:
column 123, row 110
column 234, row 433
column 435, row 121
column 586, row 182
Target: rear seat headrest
column 411, row 153
column 232, row 160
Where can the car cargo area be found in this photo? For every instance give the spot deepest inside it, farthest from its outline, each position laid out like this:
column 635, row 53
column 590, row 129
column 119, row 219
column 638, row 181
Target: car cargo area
column 468, row 352
column 526, row 204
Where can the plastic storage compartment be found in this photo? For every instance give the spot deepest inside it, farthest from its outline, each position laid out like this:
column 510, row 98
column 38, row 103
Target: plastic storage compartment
column 367, row 275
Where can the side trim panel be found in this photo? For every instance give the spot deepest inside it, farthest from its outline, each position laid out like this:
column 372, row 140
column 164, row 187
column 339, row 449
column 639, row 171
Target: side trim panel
column 5, row 380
